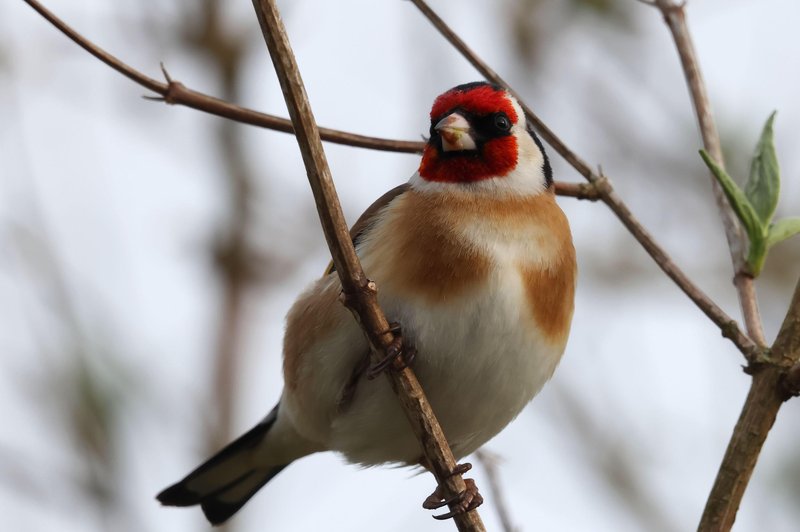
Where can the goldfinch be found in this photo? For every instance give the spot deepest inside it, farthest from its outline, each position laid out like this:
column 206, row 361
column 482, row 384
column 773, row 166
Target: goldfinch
column 474, row 259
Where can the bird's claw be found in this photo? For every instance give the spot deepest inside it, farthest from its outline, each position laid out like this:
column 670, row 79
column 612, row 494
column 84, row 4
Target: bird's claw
column 395, row 349
column 464, row 502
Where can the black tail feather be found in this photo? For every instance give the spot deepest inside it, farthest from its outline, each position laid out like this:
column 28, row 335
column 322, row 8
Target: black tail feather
column 218, row 511
column 220, row 498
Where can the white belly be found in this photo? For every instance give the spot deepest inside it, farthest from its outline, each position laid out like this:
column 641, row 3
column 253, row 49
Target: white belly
column 479, row 362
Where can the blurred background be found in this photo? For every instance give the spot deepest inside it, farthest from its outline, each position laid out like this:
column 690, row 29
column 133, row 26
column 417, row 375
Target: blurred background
column 148, row 254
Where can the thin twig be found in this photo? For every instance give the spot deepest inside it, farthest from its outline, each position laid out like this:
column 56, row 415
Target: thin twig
column 612, row 457
column 174, row 92
column 232, row 250
column 767, row 394
column 489, row 461
column 767, row 390
column 748, row 301
column 727, row 325
column 675, row 17
column 360, row 294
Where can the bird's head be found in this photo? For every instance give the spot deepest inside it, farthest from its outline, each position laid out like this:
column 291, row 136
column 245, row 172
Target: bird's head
column 479, row 135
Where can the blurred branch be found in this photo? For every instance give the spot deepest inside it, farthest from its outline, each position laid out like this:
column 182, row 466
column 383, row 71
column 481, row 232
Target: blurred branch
column 767, row 394
column 85, row 389
column 360, row 294
column 231, row 250
column 613, row 457
column 675, row 18
column 727, row 325
column 489, row 462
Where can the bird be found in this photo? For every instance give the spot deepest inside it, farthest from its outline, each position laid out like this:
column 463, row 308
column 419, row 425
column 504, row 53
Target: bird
column 476, row 268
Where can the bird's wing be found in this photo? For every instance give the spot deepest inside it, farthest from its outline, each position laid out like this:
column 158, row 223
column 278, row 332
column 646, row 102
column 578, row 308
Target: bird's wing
column 364, row 221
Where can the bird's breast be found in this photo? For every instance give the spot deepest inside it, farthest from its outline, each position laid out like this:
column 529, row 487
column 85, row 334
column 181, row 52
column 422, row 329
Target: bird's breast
column 443, row 251
column 482, row 288
column 484, row 291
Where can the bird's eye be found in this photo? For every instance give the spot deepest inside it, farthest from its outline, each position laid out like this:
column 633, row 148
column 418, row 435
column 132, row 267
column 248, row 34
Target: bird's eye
column 502, row 122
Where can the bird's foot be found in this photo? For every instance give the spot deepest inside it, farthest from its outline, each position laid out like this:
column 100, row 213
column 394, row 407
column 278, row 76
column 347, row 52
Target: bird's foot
column 396, row 349
column 466, row 501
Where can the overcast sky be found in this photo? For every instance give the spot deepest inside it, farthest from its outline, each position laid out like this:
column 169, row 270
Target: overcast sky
column 128, row 192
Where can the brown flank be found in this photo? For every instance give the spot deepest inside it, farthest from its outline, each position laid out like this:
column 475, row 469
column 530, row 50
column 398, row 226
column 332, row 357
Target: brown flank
column 313, row 316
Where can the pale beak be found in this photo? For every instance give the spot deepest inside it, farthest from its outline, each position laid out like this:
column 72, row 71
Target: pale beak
column 455, row 132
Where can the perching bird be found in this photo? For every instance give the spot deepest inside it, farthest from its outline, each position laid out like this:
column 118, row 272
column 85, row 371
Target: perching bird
column 474, row 260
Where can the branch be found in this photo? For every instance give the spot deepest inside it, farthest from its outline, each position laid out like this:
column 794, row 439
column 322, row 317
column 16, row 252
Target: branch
column 584, row 191
column 489, row 461
column 791, row 382
column 360, row 294
column 174, row 92
column 545, row 132
column 767, row 394
column 675, row 18
column 727, row 325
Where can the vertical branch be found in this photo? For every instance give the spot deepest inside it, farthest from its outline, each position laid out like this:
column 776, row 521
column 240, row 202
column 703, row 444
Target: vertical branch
column 489, row 461
column 758, row 415
column 360, row 294
column 766, row 389
column 230, row 249
column 748, row 301
column 675, row 18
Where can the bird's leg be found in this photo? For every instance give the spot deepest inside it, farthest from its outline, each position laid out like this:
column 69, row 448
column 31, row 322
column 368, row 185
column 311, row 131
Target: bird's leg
column 395, row 349
column 466, row 501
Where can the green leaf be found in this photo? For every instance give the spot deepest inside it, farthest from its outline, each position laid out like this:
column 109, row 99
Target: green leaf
column 756, row 230
column 738, row 200
column 783, row 229
column 764, row 184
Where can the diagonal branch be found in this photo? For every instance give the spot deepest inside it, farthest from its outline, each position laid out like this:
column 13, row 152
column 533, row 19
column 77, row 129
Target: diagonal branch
column 675, row 18
column 360, row 293
column 598, row 188
column 174, row 92
column 727, row 325
column 486, row 71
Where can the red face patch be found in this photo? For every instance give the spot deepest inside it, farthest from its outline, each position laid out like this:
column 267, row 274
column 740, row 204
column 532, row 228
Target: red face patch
column 495, row 157
column 481, row 100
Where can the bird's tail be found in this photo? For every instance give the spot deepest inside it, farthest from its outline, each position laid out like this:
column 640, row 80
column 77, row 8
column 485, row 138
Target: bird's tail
column 224, row 483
